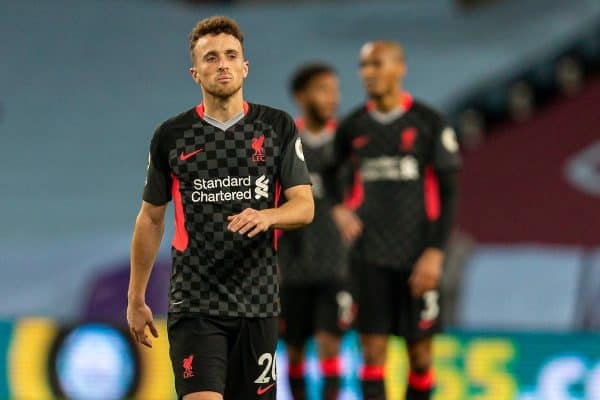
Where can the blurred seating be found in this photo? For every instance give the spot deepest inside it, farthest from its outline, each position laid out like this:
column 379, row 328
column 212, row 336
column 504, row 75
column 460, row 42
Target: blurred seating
column 521, row 287
column 590, row 294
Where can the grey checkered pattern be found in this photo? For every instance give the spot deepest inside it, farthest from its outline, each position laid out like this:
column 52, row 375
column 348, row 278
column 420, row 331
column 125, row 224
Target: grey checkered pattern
column 221, row 273
column 316, row 252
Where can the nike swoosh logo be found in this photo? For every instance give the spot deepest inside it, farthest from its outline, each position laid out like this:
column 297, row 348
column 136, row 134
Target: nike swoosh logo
column 360, row 141
column 184, row 156
column 263, row 390
column 176, row 302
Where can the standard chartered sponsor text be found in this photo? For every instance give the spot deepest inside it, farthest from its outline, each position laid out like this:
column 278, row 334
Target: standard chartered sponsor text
column 229, row 188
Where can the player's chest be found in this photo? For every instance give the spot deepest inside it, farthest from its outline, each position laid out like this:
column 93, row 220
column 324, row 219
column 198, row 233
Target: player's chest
column 398, row 151
column 319, row 159
column 244, row 150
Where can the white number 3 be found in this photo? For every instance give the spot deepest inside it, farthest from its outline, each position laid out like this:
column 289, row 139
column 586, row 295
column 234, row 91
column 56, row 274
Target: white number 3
column 432, row 307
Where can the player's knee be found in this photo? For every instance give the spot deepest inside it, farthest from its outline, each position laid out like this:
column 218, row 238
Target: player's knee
column 374, row 349
column 329, row 344
column 203, row 396
column 420, row 355
column 295, row 354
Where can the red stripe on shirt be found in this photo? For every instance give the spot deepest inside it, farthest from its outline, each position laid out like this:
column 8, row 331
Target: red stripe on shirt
column 356, row 195
column 181, row 238
column 431, row 191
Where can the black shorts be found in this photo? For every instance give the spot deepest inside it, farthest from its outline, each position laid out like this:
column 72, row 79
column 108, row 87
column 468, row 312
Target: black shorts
column 231, row 356
column 310, row 308
column 386, row 305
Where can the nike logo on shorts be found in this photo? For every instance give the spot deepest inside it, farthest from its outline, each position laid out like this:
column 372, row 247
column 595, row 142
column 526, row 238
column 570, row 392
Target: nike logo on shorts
column 262, row 390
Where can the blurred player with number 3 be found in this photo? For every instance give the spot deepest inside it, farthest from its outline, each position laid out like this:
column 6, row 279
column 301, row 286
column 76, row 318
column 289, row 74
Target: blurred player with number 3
column 405, row 158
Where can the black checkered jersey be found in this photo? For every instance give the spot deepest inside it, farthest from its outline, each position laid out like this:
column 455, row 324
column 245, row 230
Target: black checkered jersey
column 397, row 159
column 210, row 174
column 315, row 253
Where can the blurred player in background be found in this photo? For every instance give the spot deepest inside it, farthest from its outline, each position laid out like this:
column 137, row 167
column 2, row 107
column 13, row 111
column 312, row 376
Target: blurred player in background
column 313, row 260
column 222, row 163
column 406, row 160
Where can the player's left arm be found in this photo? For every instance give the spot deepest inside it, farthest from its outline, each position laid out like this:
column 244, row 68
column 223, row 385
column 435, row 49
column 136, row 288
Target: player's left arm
column 298, row 209
column 427, row 271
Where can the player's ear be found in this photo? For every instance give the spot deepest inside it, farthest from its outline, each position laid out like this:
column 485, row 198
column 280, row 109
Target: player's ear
column 194, row 74
column 245, row 69
column 403, row 69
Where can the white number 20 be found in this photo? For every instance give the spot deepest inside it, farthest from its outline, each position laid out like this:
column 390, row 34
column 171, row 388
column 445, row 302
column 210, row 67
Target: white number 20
column 269, row 361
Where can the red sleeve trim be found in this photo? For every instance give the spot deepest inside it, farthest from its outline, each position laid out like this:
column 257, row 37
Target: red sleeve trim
column 356, row 195
column 431, row 190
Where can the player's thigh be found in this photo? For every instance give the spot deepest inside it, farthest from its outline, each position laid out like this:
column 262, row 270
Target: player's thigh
column 417, row 317
column 203, row 396
column 198, row 351
column 333, row 316
column 297, row 314
column 375, row 298
column 252, row 370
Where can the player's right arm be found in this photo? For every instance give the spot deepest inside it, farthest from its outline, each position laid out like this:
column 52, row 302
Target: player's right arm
column 147, row 234
column 346, row 220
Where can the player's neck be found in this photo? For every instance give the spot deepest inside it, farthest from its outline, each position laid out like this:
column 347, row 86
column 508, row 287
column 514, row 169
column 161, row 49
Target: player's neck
column 223, row 109
column 388, row 101
column 313, row 126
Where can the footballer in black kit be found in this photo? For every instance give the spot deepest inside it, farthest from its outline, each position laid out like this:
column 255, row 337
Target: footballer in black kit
column 405, row 157
column 313, row 260
column 224, row 164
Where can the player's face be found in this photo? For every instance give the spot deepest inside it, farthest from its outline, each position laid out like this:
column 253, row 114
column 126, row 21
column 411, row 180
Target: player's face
column 321, row 97
column 381, row 69
column 219, row 65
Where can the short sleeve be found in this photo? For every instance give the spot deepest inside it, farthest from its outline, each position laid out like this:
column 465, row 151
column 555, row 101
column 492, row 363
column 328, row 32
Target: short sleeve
column 342, row 143
column 446, row 150
column 157, row 190
column 292, row 169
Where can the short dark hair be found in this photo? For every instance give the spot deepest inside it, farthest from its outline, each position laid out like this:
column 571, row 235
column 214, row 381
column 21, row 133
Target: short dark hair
column 302, row 77
column 214, row 26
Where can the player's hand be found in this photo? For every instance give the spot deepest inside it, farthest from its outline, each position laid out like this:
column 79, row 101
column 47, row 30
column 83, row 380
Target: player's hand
column 348, row 223
column 249, row 222
column 427, row 272
column 138, row 316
